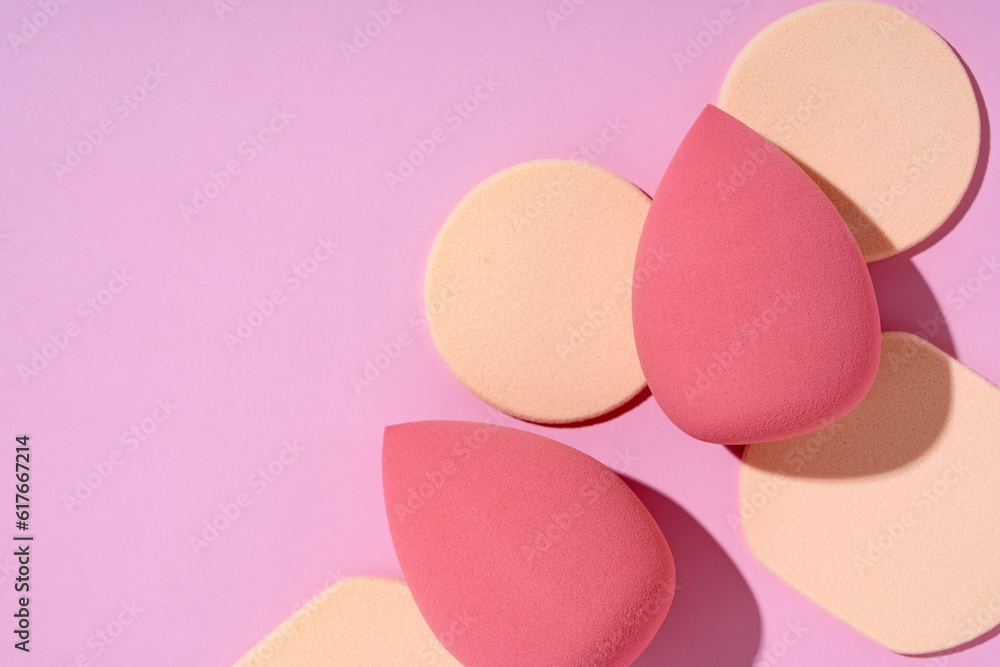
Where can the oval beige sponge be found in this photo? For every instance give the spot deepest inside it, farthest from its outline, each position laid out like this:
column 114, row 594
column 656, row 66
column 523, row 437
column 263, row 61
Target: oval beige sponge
column 888, row 517
column 874, row 105
column 529, row 286
column 357, row 621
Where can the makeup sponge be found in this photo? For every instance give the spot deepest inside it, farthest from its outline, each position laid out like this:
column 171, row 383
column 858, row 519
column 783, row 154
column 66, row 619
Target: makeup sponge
column 528, row 287
column 763, row 323
column 874, row 105
column 357, row 621
column 520, row 550
column 888, row 518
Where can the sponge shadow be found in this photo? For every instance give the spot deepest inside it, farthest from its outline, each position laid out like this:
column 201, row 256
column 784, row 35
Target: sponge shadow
column 628, row 406
column 896, row 423
column 862, row 224
column 972, row 643
column 854, row 215
column 904, row 299
column 906, row 303
column 714, row 619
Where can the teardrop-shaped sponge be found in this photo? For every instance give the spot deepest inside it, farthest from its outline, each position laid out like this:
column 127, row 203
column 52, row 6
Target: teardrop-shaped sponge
column 520, row 550
column 763, row 324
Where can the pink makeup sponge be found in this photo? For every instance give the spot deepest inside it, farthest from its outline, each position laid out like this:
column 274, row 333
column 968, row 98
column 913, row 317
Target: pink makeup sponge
column 519, row 550
column 763, row 324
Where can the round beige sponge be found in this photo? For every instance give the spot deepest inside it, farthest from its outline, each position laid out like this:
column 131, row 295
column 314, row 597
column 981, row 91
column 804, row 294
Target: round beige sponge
column 874, row 105
column 529, row 290
column 357, row 621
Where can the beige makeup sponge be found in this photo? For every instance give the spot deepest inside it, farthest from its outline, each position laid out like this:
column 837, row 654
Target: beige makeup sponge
column 888, row 517
column 874, row 105
column 357, row 621
column 529, row 286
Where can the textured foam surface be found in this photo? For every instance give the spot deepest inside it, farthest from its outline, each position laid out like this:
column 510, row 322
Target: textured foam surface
column 520, row 550
column 357, row 621
column 528, row 288
column 888, row 518
column 763, row 323
column 877, row 108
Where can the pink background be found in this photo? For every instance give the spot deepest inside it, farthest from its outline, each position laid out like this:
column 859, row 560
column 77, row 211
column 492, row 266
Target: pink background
column 163, row 335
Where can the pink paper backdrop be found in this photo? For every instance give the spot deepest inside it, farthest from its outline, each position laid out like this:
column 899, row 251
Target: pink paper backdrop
column 187, row 294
